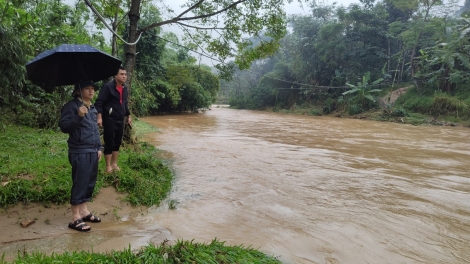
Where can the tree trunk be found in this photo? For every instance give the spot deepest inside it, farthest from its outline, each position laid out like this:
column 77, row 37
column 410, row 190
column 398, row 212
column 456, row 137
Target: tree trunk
column 114, row 38
column 412, row 58
column 134, row 16
column 402, row 66
column 388, row 55
column 413, row 52
column 129, row 64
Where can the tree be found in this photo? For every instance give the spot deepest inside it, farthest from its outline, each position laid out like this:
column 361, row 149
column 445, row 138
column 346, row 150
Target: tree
column 27, row 28
column 196, row 86
column 151, row 47
column 219, row 27
column 446, row 64
column 364, row 95
column 113, row 12
column 412, row 37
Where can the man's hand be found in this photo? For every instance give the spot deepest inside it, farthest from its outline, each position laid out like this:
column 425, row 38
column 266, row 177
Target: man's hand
column 82, row 111
column 129, row 120
column 99, row 120
column 100, row 154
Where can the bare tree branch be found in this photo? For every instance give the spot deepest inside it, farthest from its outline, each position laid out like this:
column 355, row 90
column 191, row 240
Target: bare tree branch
column 177, row 19
column 184, row 27
column 191, row 35
column 208, row 28
column 191, row 8
column 122, row 18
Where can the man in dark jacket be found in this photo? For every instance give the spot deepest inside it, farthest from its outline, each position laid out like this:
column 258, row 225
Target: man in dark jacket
column 79, row 119
column 112, row 106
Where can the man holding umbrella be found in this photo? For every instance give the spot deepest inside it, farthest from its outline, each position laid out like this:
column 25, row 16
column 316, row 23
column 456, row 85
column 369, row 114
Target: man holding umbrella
column 112, row 106
column 79, row 119
column 69, row 64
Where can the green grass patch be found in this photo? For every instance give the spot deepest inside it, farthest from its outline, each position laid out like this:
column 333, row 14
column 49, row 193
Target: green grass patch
column 142, row 128
column 34, row 167
column 182, row 252
column 438, row 104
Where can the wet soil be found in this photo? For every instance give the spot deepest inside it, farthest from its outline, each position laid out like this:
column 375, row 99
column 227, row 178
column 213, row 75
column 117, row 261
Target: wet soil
column 48, row 226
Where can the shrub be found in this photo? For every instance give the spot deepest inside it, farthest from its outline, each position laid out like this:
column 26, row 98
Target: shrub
column 399, row 112
column 354, row 109
column 315, row 112
column 445, row 105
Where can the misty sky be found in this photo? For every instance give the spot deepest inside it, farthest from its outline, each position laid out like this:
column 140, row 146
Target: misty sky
column 293, row 8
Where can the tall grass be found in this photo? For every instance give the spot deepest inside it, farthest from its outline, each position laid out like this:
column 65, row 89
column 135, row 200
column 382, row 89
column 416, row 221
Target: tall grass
column 436, row 104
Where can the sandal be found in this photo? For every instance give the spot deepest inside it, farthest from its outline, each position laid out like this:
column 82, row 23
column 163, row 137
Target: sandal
column 79, row 225
column 91, row 218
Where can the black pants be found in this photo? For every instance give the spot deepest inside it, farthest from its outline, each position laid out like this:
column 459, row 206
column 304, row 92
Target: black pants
column 84, row 174
column 112, row 135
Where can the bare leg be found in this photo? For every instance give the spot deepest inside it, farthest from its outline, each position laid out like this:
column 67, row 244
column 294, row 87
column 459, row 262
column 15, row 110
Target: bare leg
column 75, row 212
column 76, row 215
column 114, row 160
column 107, row 159
column 85, row 213
column 83, row 210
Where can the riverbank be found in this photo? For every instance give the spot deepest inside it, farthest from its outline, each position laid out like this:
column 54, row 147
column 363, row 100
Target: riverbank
column 47, row 227
column 402, row 105
column 34, row 209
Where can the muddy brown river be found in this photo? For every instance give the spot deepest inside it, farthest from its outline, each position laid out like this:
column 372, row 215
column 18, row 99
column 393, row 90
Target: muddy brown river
column 304, row 189
column 318, row 189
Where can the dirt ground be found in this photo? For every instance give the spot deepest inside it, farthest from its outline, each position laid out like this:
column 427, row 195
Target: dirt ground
column 390, row 98
column 50, row 233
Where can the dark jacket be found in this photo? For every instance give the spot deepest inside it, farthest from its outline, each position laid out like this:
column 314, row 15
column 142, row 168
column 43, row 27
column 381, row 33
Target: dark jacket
column 108, row 98
column 84, row 136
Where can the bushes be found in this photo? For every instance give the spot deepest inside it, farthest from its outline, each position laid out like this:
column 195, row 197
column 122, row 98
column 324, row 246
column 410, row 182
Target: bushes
column 328, row 105
column 436, row 104
column 354, row 109
column 41, row 109
column 446, row 105
column 399, row 112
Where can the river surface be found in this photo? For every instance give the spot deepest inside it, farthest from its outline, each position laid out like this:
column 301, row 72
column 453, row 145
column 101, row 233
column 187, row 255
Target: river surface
column 317, row 189
column 304, row 189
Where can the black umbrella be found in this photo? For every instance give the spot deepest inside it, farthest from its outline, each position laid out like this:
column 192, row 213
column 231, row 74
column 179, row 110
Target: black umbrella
column 70, row 63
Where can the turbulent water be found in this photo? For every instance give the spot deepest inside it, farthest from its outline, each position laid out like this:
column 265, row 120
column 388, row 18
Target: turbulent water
column 303, row 189
column 317, row 189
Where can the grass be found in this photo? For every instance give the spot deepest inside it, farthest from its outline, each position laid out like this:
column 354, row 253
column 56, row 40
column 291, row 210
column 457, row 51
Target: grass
column 181, row 252
column 142, row 128
column 34, row 168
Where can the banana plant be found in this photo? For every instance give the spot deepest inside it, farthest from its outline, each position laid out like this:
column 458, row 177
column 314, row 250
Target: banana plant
column 363, row 90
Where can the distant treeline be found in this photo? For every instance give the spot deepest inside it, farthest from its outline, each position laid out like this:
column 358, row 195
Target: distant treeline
column 392, row 42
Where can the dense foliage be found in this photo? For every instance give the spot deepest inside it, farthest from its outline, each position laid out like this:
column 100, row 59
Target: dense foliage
column 423, row 43
column 388, row 44
column 28, row 28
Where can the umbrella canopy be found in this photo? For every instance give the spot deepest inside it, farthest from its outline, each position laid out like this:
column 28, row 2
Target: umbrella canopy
column 69, row 63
